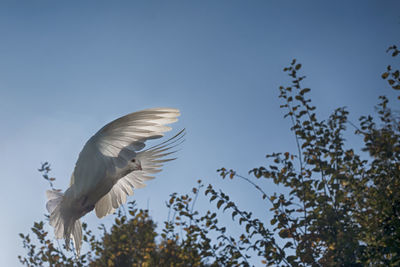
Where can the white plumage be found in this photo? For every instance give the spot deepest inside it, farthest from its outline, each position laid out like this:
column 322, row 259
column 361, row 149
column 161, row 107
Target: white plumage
column 110, row 165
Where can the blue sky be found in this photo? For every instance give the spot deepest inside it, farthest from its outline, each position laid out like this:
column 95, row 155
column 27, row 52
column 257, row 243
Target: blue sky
column 69, row 67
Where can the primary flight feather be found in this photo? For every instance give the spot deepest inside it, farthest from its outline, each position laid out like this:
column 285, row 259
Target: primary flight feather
column 110, row 165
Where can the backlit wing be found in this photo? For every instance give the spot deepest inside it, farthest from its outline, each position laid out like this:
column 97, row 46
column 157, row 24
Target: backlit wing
column 115, row 144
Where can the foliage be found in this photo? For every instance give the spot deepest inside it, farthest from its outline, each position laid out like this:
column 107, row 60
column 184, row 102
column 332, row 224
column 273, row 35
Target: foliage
column 342, row 208
column 131, row 241
column 340, row 205
column 392, row 76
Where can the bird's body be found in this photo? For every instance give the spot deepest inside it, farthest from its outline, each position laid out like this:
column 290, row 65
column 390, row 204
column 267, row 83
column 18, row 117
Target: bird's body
column 111, row 163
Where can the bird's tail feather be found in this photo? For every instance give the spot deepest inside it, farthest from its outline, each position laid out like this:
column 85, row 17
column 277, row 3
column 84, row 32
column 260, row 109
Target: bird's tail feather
column 64, row 226
column 53, row 206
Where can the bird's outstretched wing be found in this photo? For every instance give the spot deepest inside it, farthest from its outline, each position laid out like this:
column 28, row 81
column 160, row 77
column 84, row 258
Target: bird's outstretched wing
column 152, row 160
column 110, row 149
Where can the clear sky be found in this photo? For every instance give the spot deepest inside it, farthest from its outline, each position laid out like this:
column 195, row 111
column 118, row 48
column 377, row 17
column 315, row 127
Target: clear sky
column 69, row 67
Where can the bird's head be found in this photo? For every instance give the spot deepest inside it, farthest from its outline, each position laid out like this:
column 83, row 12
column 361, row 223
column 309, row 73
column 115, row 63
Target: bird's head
column 137, row 165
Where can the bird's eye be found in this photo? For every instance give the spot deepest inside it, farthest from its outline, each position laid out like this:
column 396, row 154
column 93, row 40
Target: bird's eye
column 133, row 160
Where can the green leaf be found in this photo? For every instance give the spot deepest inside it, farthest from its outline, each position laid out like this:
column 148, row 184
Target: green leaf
column 288, row 244
column 230, row 204
column 220, row 203
column 385, row 75
column 284, row 233
column 234, row 214
column 305, row 90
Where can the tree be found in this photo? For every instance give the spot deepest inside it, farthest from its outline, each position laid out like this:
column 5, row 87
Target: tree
column 341, row 206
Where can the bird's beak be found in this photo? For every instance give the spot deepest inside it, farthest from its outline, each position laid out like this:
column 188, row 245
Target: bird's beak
column 140, row 167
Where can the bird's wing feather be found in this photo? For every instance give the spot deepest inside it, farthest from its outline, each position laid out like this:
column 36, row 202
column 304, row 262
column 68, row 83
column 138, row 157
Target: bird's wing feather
column 152, row 160
column 115, row 144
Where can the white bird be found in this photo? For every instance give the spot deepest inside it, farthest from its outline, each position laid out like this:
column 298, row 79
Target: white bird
column 111, row 163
